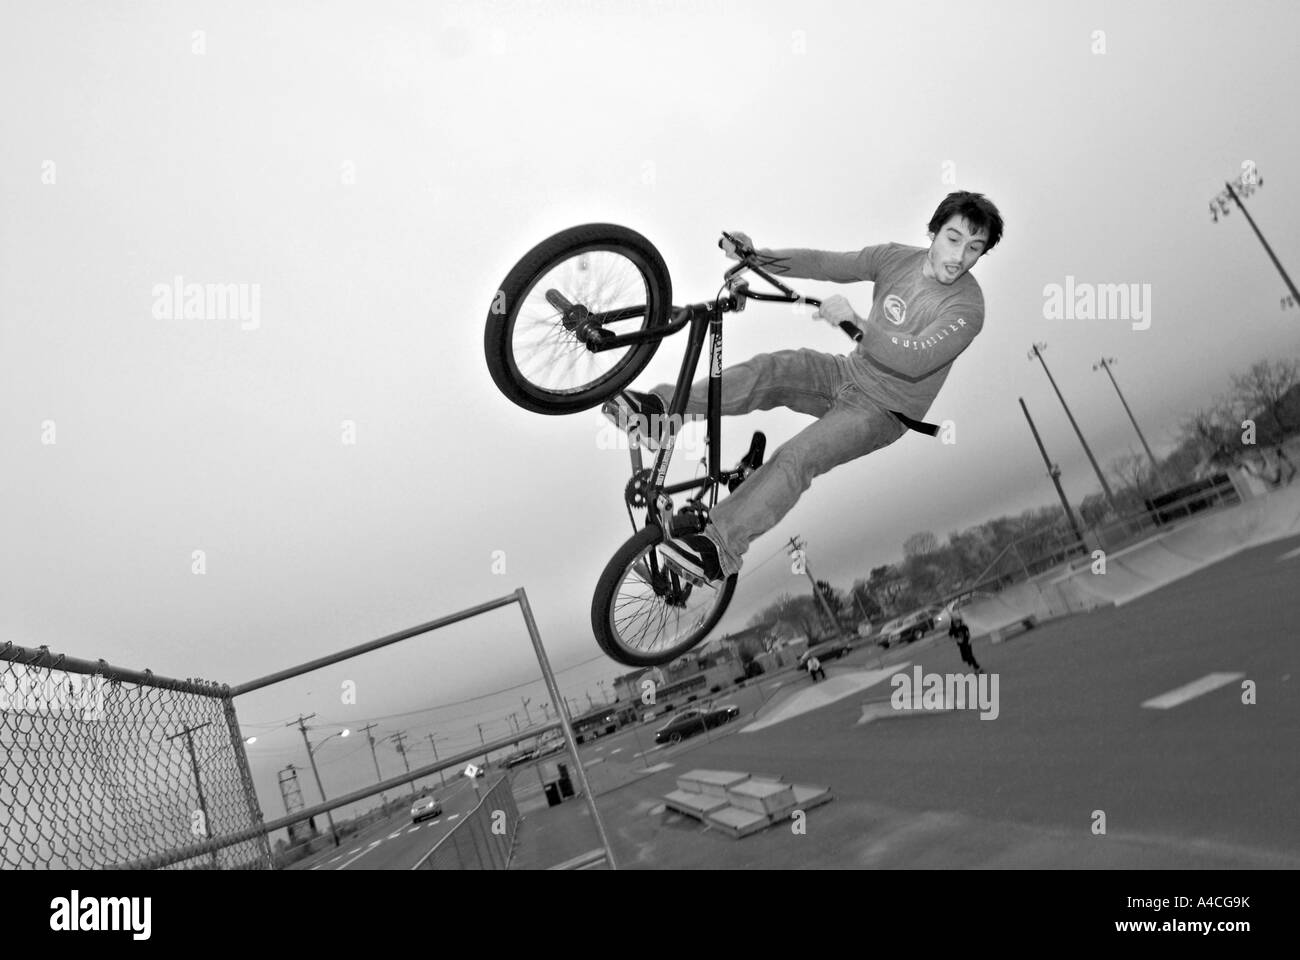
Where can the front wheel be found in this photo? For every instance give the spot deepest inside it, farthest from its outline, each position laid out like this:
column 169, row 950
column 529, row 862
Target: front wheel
column 594, row 280
column 644, row 613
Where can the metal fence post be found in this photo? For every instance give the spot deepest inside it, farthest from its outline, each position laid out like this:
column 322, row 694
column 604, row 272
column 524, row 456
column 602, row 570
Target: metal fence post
column 554, row 690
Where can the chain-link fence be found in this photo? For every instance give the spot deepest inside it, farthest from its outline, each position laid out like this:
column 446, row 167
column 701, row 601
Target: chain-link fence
column 484, row 839
column 99, row 766
column 106, row 767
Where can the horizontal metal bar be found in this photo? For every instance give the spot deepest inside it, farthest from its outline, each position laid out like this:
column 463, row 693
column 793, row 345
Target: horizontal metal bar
column 371, row 645
column 41, row 657
column 635, row 337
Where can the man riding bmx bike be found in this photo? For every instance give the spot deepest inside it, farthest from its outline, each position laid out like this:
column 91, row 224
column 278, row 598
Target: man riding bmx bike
column 926, row 308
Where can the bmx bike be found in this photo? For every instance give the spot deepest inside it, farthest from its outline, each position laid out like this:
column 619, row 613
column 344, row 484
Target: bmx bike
column 573, row 323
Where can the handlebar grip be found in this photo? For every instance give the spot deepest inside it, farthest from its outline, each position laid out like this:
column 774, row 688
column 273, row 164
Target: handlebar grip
column 852, row 329
column 742, row 250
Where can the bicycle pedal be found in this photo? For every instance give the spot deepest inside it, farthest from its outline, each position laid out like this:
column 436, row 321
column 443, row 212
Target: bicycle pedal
column 690, row 576
column 750, row 462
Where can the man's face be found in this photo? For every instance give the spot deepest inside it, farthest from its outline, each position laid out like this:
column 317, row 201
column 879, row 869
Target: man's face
column 954, row 250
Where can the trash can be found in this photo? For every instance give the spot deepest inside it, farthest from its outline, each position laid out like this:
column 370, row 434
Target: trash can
column 552, row 791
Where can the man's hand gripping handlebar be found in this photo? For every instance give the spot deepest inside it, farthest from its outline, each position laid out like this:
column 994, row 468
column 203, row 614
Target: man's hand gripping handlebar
column 738, row 246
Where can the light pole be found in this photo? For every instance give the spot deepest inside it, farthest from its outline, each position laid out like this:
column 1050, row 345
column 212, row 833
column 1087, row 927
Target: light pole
column 1247, row 183
column 1054, row 472
column 1104, row 364
column 311, row 755
column 1037, row 352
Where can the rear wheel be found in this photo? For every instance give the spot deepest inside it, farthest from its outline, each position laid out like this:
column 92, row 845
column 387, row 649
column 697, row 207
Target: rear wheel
column 645, row 613
column 560, row 288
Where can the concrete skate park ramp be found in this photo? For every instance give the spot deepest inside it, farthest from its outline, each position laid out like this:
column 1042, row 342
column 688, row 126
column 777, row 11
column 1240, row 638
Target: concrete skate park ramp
column 1138, row 569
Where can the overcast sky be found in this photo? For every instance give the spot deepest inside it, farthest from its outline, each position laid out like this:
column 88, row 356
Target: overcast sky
column 373, row 170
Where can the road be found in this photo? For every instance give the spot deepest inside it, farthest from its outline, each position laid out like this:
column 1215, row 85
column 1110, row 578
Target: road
column 396, row 843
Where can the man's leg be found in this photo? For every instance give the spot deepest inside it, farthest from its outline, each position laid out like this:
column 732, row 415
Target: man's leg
column 851, row 429
column 806, row 381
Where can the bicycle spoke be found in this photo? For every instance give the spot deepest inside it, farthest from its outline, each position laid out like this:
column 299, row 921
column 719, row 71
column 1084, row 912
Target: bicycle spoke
column 649, row 618
column 545, row 352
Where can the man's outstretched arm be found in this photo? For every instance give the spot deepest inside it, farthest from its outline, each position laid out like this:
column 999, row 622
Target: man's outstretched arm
column 821, row 264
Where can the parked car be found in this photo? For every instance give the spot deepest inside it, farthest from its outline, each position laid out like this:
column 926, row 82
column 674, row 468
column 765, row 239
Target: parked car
column 690, row 722
column 905, row 629
column 549, row 747
column 523, row 756
column 829, row 650
column 424, row 808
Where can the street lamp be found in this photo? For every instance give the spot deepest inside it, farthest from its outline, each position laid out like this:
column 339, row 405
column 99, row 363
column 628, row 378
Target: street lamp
column 311, row 756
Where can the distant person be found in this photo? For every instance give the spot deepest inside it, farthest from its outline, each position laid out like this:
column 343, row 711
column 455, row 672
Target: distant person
column 961, row 633
column 1284, row 466
column 815, row 667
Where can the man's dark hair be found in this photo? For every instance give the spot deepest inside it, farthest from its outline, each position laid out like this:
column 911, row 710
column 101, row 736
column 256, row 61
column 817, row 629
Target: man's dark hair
column 976, row 209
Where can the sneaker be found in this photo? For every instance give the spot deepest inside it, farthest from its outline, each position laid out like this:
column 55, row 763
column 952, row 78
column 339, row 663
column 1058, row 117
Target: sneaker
column 696, row 555
column 637, row 413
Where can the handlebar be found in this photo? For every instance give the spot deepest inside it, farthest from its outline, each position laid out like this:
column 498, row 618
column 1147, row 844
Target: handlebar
column 748, row 261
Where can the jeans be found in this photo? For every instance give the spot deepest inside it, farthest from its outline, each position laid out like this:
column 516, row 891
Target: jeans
column 849, row 425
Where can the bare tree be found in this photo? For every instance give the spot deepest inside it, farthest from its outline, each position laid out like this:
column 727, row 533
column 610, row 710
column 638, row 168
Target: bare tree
column 1134, row 471
column 920, row 544
column 1264, row 388
column 1210, row 427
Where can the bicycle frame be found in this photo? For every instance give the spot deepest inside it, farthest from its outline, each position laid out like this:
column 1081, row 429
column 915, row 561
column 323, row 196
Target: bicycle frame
column 705, row 320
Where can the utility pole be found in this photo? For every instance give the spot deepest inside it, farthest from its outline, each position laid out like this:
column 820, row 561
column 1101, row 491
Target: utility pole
column 1247, row 183
column 1037, row 352
column 379, row 777
column 399, row 738
column 329, row 815
column 1104, row 363
column 1054, row 472
column 188, row 734
column 482, row 743
column 442, row 778
column 796, row 549
column 591, row 703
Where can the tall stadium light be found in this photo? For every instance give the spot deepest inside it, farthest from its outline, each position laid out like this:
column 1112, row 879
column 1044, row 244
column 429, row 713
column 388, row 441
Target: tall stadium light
column 1104, row 364
column 1037, row 353
column 1247, row 182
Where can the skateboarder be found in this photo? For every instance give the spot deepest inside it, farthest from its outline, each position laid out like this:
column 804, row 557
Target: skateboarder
column 961, row 633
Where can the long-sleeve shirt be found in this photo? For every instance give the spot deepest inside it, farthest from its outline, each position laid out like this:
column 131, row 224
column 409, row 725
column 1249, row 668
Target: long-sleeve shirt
column 916, row 328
